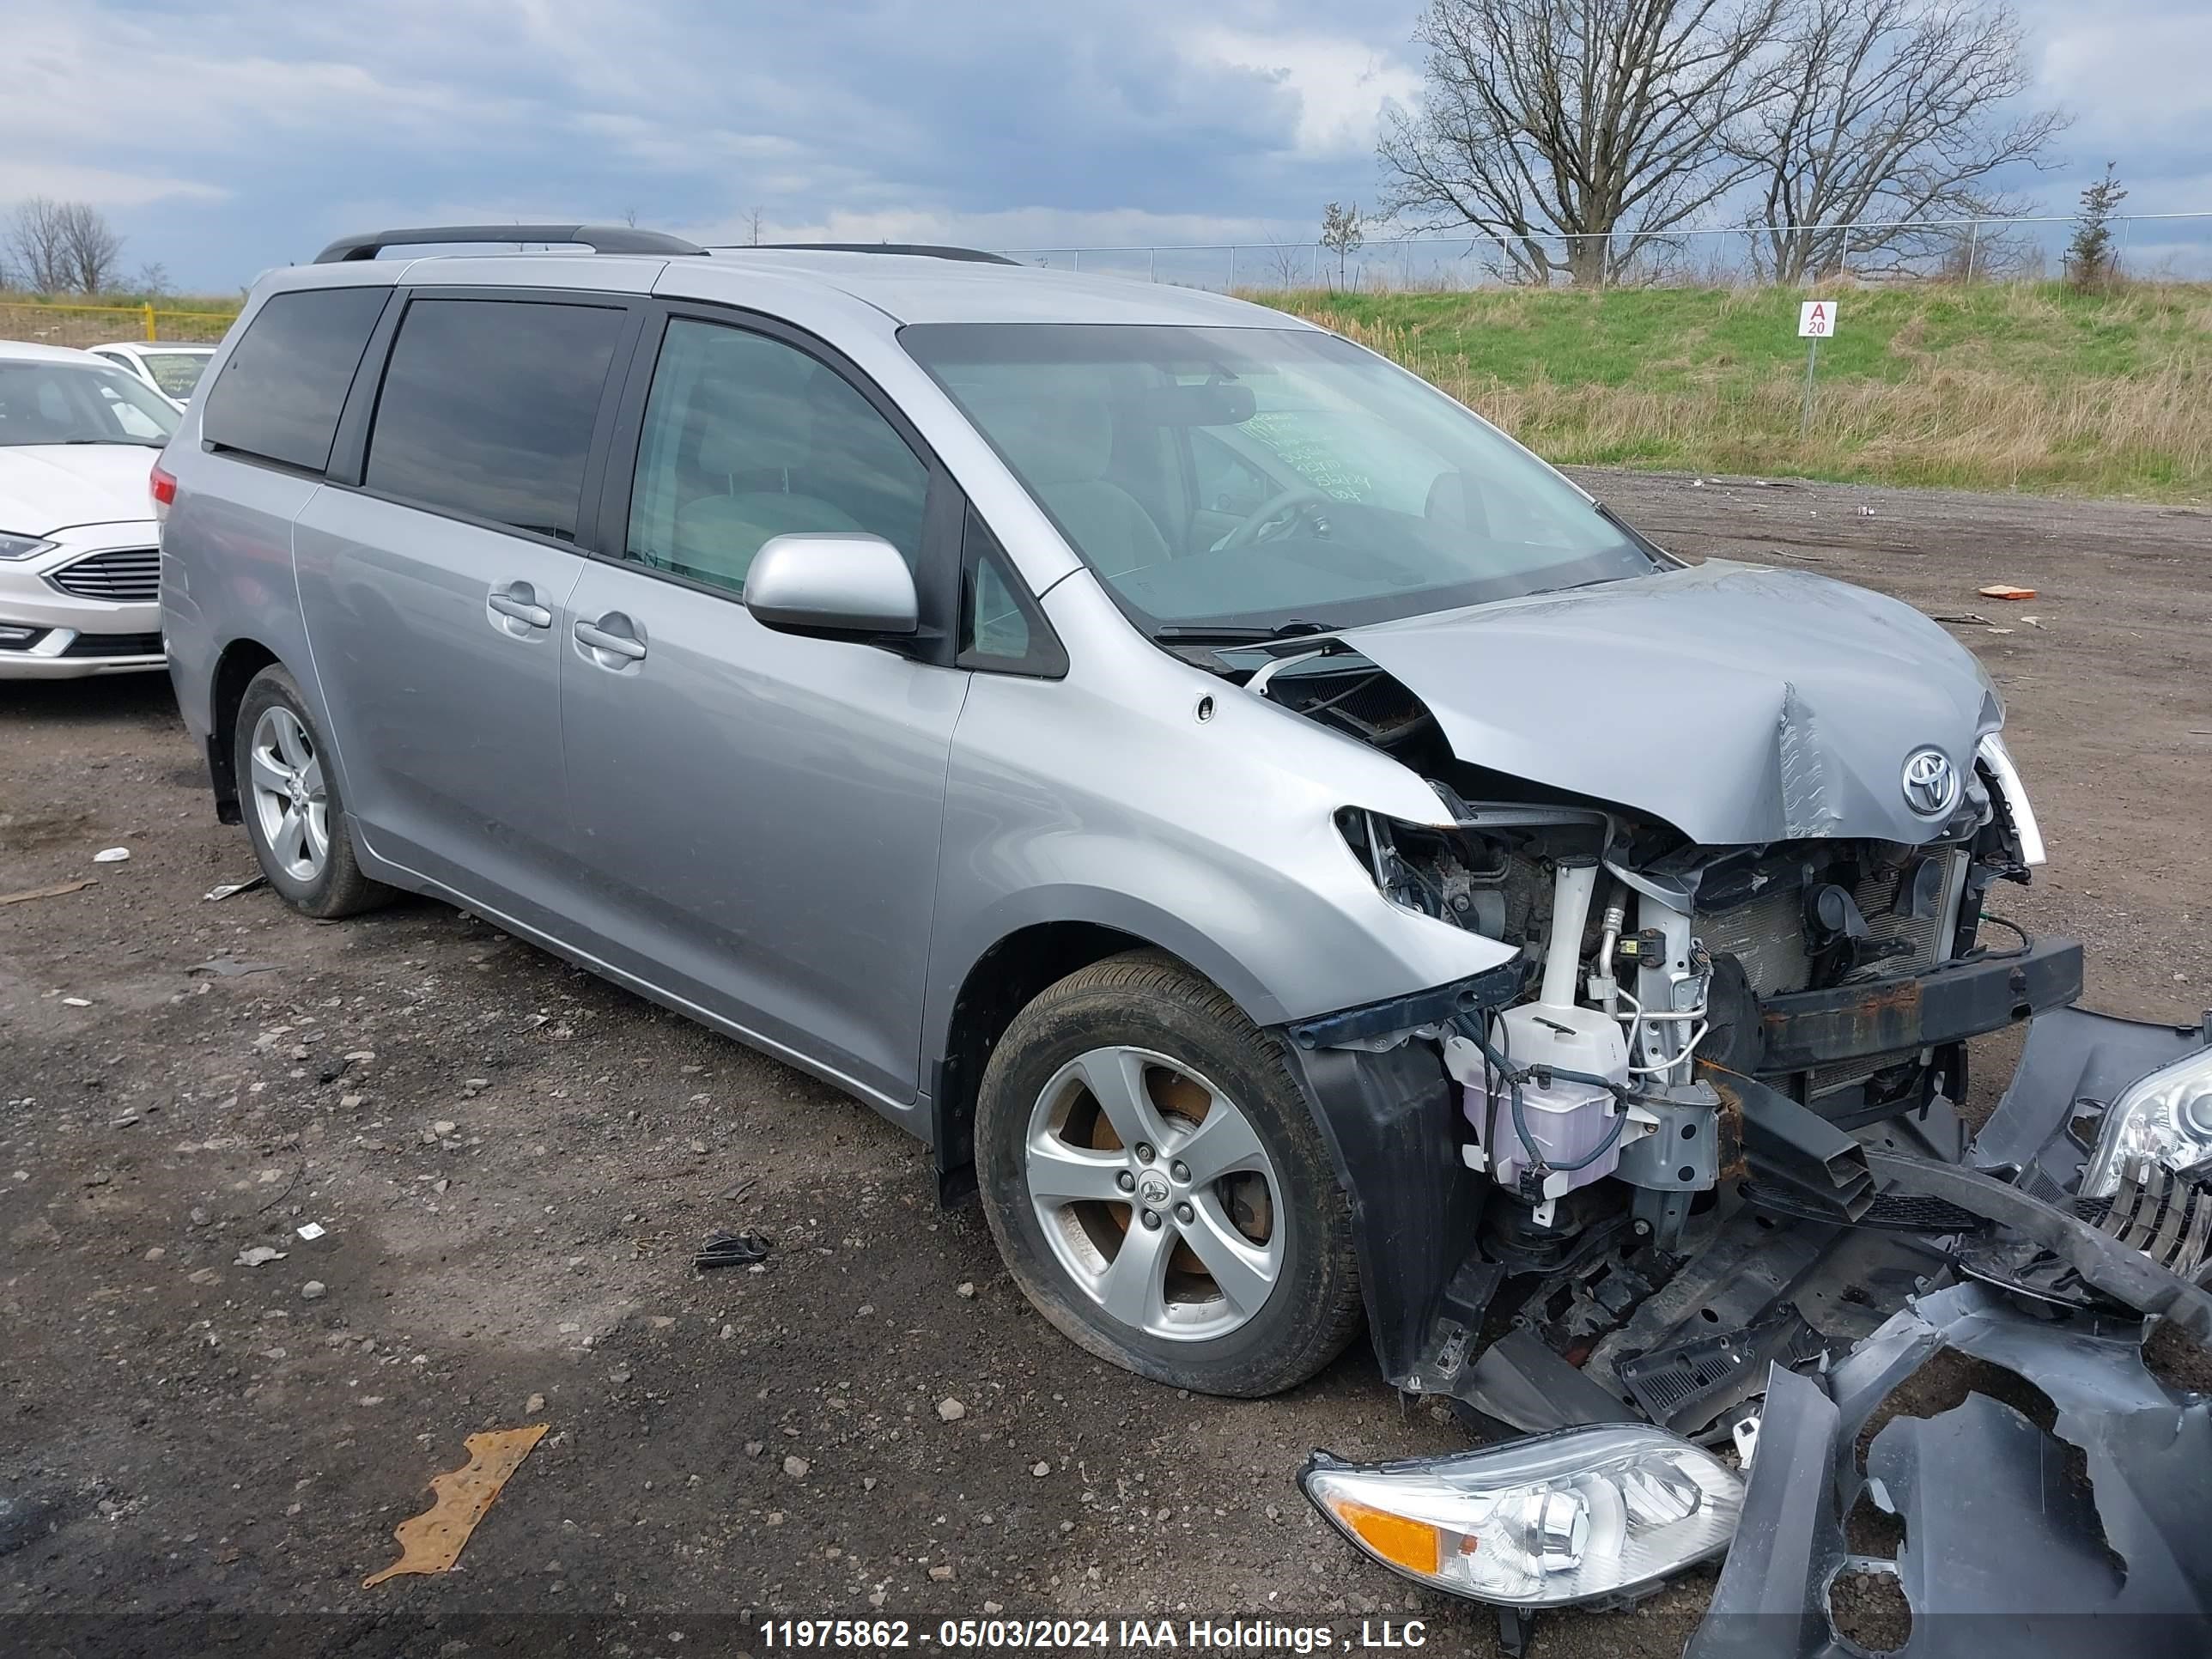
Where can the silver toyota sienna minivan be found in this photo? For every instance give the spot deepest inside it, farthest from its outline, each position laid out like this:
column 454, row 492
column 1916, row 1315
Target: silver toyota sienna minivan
column 1303, row 860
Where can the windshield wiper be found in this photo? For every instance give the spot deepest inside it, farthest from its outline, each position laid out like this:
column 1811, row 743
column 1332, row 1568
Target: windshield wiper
column 1232, row 633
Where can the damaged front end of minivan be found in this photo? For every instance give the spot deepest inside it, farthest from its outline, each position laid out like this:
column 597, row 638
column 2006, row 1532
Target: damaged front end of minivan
column 1700, row 1134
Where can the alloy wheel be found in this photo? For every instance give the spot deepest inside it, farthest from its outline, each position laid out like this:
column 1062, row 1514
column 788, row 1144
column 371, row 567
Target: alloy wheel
column 289, row 797
column 1155, row 1194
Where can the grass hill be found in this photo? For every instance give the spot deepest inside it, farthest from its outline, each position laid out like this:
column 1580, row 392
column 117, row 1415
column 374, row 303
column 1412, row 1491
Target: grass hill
column 2012, row 386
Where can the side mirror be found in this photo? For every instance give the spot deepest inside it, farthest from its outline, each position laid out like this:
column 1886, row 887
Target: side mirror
column 837, row 582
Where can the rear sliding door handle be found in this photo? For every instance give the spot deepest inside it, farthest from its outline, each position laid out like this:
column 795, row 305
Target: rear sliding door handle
column 520, row 601
column 600, row 637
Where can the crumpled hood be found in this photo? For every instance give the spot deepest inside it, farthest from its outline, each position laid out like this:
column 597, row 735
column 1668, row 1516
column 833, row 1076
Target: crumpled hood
column 1738, row 703
column 49, row 487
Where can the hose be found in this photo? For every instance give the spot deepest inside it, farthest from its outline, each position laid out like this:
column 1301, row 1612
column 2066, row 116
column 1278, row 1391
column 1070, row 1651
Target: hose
column 1536, row 1163
column 1983, row 953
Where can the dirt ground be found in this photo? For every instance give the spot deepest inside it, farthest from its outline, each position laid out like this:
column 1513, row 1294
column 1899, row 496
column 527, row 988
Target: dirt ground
column 513, row 1163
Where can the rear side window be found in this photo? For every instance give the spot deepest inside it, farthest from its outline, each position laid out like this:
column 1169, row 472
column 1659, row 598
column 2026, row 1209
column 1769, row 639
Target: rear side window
column 487, row 407
column 280, row 393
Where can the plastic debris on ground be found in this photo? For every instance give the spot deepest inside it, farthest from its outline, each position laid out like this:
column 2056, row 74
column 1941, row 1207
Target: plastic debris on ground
column 110, row 855
column 733, row 1251
column 2005, row 591
column 230, row 889
column 311, row 1230
column 432, row 1542
column 231, row 968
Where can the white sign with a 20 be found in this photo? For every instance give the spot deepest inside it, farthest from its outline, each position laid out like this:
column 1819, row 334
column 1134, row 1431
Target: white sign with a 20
column 1816, row 319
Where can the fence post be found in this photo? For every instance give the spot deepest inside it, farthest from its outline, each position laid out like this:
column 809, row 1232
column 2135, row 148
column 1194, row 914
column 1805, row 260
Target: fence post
column 1151, row 264
column 149, row 319
column 1232, row 267
column 1973, row 241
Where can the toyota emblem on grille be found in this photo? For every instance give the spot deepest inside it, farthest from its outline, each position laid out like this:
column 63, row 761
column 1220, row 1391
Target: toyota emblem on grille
column 1931, row 782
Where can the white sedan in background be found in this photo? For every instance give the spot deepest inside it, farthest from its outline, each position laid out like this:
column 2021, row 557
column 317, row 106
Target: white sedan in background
column 80, row 548
column 171, row 369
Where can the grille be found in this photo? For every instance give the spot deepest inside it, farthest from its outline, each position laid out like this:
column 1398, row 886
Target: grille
column 130, row 575
column 113, row 645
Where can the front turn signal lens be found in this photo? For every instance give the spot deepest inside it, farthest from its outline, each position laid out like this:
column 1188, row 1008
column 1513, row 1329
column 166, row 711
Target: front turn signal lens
column 1579, row 1515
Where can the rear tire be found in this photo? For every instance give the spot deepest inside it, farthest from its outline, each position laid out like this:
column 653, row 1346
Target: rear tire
column 1134, row 1088
column 289, row 796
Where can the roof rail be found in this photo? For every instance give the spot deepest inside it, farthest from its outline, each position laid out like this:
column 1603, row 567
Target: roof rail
column 920, row 250
column 600, row 239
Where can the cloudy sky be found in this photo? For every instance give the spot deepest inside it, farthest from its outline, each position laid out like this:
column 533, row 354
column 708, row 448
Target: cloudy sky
column 222, row 137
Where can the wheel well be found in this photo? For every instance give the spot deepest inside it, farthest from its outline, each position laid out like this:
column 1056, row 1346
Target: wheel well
column 1004, row 980
column 241, row 662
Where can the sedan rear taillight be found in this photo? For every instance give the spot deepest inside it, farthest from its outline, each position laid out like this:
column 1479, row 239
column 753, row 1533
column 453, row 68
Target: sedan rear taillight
column 163, row 484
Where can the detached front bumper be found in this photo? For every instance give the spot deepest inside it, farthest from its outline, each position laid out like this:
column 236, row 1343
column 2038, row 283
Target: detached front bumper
column 1808, row 1323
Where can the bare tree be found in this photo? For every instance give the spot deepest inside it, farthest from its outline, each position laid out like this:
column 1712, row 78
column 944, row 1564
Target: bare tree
column 39, row 244
column 753, row 227
column 1600, row 123
column 1888, row 111
column 92, row 250
column 62, row 247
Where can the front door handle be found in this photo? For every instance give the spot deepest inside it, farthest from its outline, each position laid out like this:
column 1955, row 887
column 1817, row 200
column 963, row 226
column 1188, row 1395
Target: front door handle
column 613, row 634
column 518, row 600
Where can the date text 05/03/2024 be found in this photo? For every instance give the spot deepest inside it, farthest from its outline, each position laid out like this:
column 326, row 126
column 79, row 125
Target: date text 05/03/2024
column 1109, row 1635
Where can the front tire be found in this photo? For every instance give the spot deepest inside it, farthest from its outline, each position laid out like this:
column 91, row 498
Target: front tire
column 290, row 799
column 1157, row 1186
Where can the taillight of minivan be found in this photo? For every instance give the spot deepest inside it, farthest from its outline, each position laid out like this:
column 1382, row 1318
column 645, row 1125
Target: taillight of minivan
column 162, row 483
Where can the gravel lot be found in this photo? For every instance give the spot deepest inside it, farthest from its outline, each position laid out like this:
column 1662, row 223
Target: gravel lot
column 513, row 1163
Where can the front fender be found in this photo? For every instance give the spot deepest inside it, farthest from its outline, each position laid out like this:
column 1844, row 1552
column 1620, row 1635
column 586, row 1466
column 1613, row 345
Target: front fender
column 1108, row 797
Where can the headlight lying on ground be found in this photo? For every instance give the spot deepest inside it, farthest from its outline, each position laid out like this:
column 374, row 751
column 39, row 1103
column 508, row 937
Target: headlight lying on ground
column 2166, row 1117
column 13, row 546
column 1578, row 1516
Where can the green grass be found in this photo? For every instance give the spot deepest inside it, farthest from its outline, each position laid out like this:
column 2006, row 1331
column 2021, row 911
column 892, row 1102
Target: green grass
column 2000, row 386
column 1996, row 385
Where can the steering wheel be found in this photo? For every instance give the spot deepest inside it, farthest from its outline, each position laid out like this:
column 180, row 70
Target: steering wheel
column 1277, row 508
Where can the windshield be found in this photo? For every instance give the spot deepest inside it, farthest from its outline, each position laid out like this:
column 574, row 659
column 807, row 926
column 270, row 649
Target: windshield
column 67, row 402
column 1264, row 478
column 176, row 371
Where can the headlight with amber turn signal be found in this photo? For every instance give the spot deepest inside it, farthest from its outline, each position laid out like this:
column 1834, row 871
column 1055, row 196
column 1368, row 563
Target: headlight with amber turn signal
column 1580, row 1515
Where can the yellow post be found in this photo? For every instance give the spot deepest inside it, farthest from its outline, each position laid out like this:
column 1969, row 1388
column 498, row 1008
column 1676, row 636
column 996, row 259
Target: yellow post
column 149, row 319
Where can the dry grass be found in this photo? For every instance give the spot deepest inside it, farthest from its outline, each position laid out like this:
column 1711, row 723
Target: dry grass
column 112, row 317
column 2022, row 386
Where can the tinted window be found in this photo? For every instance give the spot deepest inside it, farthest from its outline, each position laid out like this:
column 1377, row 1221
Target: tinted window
column 488, row 407
column 281, row 390
column 746, row 438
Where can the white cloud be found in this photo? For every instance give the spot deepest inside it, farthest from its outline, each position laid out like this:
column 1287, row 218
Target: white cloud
column 2124, row 74
column 1340, row 83
column 101, row 186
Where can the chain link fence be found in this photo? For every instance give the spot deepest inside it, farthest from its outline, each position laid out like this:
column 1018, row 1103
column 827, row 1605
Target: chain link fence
column 62, row 324
column 2147, row 246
